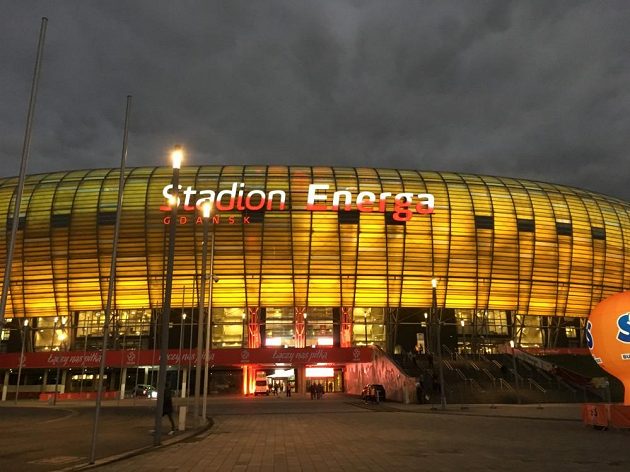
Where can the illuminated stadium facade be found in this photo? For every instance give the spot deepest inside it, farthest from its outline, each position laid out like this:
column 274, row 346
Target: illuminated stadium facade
column 310, row 257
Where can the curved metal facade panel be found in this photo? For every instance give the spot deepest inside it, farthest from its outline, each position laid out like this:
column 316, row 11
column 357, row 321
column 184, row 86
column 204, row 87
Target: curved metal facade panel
column 494, row 243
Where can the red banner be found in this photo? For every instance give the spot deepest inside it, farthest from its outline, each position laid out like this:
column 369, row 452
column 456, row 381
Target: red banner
column 135, row 358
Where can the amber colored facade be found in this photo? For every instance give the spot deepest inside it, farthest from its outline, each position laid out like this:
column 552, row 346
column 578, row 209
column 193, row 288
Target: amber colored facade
column 493, row 243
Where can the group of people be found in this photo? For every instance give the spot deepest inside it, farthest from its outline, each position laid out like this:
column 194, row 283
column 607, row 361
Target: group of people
column 279, row 387
column 316, row 390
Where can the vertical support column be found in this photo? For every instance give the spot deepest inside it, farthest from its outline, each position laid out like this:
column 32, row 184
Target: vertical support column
column 346, row 326
column 64, row 374
column 123, row 382
column 299, row 326
column 253, row 332
column 245, row 379
column 184, row 387
column 300, row 383
column 146, row 376
column 5, row 386
column 44, row 381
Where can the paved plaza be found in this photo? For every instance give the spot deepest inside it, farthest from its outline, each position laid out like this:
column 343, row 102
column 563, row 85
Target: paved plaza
column 340, row 432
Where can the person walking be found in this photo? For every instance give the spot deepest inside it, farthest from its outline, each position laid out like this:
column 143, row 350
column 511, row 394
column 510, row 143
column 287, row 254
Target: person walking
column 167, row 409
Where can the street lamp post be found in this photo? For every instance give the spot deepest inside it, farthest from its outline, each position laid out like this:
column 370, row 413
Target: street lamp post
column 516, row 383
column 434, row 283
column 244, row 336
column 427, row 333
column 213, row 279
column 61, row 338
column 463, row 337
column 181, row 343
column 24, row 334
column 176, row 156
column 365, row 325
column 206, row 210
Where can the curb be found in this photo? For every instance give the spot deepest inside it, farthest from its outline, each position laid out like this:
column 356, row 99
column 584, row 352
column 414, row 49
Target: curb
column 467, row 412
column 186, row 435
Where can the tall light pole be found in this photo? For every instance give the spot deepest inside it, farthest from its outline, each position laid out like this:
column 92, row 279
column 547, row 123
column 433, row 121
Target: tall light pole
column 463, row 336
column 61, row 337
column 111, row 287
column 516, row 383
column 200, row 316
column 427, row 333
column 206, row 211
column 26, row 149
column 213, row 279
column 365, row 325
column 176, row 156
column 24, row 334
column 181, row 342
column 243, row 344
column 434, row 284
column 52, row 347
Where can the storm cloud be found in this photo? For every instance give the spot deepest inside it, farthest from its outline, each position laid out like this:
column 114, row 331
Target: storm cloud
column 533, row 89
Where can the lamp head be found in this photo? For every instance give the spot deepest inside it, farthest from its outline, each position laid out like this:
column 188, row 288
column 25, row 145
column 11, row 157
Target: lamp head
column 434, row 283
column 177, row 155
column 215, row 279
column 206, row 209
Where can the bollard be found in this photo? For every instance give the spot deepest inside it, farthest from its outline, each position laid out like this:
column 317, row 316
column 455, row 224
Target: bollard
column 182, row 418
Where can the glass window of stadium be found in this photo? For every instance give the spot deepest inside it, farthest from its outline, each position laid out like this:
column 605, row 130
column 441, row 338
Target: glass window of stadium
column 319, row 327
column 53, row 333
column 229, row 327
column 528, row 332
column 279, row 327
column 129, row 329
column 368, row 326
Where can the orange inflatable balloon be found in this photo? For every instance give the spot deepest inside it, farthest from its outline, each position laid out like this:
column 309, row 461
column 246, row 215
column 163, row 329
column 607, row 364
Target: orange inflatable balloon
column 608, row 338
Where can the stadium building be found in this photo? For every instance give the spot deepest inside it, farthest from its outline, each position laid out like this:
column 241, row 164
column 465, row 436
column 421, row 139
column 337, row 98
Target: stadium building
column 308, row 268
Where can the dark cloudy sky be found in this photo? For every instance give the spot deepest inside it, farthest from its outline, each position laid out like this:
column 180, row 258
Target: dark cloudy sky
column 534, row 89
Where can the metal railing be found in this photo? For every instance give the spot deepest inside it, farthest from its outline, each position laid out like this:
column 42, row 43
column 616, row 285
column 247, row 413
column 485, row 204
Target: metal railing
column 533, row 384
column 491, row 377
column 476, row 385
column 448, row 351
column 505, row 385
column 461, row 375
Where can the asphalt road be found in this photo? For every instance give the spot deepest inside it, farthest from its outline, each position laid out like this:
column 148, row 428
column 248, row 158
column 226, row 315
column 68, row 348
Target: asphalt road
column 41, row 438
